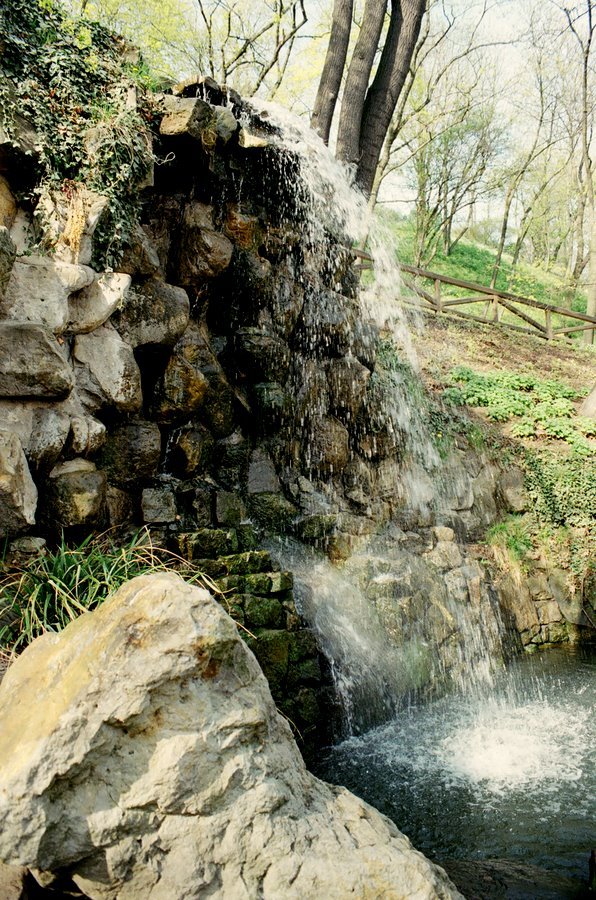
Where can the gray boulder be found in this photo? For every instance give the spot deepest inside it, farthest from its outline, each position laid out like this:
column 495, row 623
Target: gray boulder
column 18, row 494
column 92, row 306
column 32, row 363
column 141, row 749
column 39, row 288
column 106, row 371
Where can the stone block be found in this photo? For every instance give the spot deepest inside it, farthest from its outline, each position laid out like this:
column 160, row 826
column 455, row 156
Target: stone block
column 263, row 612
column 32, row 363
column 131, row 453
column 271, row 511
column 75, row 494
column 107, row 372
column 229, row 510
column 158, row 505
column 262, row 475
column 18, row 494
column 71, row 219
column 38, row 290
column 189, row 116
column 94, row 304
column 208, row 542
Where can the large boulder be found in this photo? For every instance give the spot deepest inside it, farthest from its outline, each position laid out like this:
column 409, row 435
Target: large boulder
column 106, row 371
column 92, row 306
column 141, row 750
column 39, row 288
column 154, row 313
column 32, row 363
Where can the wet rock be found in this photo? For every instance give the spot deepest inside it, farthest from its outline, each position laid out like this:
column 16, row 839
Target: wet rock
column 154, row 313
column 106, row 371
column 272, row 511
column 39, row 288
column 75, row 494
column 18, row 494
column 326, row 324
column 328, row 448
column 71, row 219
column 32, row 363
column 231, row 460
column 8, row 253
column 310, row 388
column 158, row 505
column 226, row 124
column 120, row 506
column 186, row 116
column 230, row 511
column 241, row 228
column 265, row 356
column 262, row 475
column 92, row 306
column 131, row 453
column 183, row 388
column 204, row 252
column 272, row 404
column 190, row 450
column 348, row 380
column 140, row 256
column 123, row 748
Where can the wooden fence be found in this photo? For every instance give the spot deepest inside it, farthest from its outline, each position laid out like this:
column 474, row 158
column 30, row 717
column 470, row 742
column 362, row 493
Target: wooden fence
column 495, row 304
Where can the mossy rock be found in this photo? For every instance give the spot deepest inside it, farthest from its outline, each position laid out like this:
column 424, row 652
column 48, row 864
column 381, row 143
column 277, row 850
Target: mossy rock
column 208, row 543
column 271, row 648
column 272, row 511
column 264, row 612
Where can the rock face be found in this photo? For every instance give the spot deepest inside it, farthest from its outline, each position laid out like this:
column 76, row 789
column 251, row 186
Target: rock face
column 141, row 749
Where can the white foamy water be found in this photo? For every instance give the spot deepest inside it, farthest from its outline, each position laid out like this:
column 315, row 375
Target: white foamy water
column 507, row 773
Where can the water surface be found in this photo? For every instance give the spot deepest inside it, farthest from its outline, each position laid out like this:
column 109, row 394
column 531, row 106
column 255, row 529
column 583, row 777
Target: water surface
column 508, row 772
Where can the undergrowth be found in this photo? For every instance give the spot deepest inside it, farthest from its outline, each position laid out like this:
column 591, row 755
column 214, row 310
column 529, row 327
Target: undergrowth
column 541, row 408
column 68, row 79
column 48, row 592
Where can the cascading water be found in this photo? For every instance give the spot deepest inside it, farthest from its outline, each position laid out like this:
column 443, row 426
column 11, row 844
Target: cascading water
column 473, row 760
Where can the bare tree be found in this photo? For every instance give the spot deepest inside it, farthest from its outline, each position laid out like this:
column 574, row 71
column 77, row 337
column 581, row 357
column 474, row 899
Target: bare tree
column 368, row 103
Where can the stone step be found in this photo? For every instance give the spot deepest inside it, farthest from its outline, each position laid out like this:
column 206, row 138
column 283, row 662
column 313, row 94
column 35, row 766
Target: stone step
column 250, row 563
column 211, row 543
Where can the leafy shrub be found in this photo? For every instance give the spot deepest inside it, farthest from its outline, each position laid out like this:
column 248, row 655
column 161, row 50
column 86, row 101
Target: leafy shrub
column 67, row 77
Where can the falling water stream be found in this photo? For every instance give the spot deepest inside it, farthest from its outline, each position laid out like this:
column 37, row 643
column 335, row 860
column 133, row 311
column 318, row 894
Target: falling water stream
column 502, row 764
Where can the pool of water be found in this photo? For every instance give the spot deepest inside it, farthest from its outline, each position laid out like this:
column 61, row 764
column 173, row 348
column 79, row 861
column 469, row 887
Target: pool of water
column 509, row 772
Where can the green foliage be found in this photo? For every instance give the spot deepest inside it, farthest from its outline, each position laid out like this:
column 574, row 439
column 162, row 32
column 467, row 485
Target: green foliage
column 60, row 584
column 562, row 489
column 543, row 408
column 512, row 534
column 470, row 261
column 66, row 76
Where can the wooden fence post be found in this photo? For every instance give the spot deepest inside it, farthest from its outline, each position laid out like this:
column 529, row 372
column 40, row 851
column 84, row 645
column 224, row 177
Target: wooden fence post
column 548, row 322
column 438, row 295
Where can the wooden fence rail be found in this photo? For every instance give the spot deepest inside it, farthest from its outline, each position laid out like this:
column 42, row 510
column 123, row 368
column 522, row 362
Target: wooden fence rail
column 494, row 301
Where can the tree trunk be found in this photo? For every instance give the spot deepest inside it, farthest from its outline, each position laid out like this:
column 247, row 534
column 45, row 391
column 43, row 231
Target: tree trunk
column 335, row 61
column 352, row 104
column 503, row 235
column 588, row 336
column 383, row 94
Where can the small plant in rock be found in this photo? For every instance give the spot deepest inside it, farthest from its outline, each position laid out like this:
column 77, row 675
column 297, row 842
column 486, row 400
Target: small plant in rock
column 62, row 583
